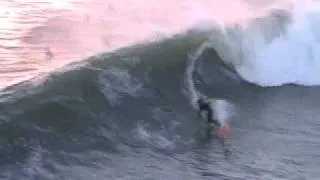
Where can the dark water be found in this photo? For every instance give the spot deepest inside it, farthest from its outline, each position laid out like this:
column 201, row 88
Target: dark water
column 125, row 115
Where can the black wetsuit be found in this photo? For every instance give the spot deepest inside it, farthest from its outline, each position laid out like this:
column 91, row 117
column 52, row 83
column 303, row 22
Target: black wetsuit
column 205, row 106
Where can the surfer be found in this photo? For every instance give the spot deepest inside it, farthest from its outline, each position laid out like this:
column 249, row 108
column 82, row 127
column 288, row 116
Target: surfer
column 204, row 105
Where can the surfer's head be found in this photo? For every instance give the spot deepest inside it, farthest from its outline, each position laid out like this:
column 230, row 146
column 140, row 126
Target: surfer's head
column 204, row 106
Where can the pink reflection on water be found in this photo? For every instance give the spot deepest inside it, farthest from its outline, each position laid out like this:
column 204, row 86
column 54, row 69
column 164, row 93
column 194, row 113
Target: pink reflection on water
column 98, row 25
column 48, row 35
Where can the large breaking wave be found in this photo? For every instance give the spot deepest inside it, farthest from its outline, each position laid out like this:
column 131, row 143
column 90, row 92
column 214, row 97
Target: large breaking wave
column 92, row 113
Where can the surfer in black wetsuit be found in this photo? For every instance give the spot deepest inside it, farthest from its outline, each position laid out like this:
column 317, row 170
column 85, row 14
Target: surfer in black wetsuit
column 204, row 105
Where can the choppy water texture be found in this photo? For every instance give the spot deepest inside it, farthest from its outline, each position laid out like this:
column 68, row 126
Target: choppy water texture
column 126, row 114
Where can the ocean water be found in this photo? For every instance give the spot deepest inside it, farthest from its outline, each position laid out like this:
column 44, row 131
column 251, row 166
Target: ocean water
column 107, row 89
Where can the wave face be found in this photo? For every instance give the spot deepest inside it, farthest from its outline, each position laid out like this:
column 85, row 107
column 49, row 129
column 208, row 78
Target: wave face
column 280, row 47
column 113, row 104
column 128, row 114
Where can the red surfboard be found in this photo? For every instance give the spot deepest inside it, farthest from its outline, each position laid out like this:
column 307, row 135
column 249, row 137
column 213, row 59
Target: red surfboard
column 223, row 132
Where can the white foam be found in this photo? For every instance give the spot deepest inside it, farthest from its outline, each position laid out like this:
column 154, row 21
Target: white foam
column 192, row 92
column 273, row 51
column 115, row 82
column 223, row 110
column 154, row 138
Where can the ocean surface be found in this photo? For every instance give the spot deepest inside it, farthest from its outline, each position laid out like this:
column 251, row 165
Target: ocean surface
column 107, row 89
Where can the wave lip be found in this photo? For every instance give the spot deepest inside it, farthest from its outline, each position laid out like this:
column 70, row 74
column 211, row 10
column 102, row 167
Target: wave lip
column 280, row 47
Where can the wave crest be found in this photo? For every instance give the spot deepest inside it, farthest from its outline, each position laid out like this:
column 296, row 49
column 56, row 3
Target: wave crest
column 278, row 48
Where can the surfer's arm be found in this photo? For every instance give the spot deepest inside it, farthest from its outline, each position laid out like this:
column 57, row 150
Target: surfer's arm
column 201, row 108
